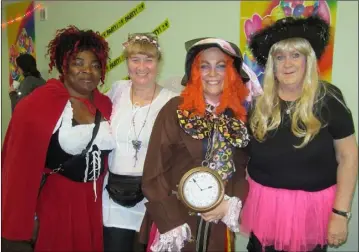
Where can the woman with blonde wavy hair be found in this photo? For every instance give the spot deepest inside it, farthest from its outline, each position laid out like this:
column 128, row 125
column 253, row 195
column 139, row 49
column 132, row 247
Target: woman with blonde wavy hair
column 303, row 166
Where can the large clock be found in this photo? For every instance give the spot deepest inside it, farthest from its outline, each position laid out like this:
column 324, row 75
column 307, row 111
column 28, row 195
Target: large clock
column 201, row 189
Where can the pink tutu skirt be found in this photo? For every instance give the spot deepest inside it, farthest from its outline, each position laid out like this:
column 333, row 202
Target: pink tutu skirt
column 291, row 220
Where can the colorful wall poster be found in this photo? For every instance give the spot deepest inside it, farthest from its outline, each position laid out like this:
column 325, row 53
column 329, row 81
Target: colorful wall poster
column 20, row 32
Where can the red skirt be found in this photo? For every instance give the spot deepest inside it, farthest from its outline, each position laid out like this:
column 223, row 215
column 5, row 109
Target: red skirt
column 69, row 217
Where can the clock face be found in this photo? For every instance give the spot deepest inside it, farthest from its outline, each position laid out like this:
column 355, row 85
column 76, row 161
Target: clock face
column 201, row 190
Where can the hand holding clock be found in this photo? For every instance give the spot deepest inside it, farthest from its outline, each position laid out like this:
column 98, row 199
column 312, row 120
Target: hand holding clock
column 201, row 189
column 217, row 213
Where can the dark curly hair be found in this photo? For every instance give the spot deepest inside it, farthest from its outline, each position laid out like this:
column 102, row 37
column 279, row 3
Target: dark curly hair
column 71, row 40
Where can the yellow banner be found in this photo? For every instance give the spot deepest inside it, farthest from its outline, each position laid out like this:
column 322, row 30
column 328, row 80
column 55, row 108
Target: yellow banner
column 123, row 20
column 162, row 27
column 158, row 30
column 115, row 62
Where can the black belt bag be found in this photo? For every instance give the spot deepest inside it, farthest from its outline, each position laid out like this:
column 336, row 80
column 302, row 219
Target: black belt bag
column 124, row 190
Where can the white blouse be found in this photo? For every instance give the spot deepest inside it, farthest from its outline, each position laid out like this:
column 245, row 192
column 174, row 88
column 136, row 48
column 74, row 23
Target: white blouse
column 122, row 159
column 74, row 139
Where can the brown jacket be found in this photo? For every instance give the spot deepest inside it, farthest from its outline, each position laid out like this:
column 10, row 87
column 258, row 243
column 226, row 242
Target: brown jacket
column 171, row 153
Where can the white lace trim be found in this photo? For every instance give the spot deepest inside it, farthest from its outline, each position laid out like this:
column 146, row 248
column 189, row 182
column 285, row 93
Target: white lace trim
column 73, row 139
column 173, row 240
column 232, row 216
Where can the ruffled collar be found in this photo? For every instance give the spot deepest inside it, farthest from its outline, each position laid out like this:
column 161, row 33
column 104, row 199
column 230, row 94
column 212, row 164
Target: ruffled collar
column 232, row 129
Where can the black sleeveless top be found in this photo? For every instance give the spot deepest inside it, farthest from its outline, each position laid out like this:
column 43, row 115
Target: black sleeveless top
column 84, row 168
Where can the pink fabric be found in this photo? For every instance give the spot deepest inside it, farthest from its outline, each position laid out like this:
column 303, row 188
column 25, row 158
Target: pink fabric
column 152, row 237
column 291, row 220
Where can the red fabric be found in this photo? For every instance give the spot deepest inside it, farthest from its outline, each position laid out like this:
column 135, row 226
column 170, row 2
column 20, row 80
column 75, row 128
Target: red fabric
column 152, row 237
column 88, row 103
column 68, row 205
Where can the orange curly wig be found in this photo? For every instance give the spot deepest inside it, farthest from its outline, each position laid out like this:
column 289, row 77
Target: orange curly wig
column 233, row 95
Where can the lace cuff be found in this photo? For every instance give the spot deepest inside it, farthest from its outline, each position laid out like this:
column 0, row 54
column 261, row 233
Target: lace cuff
column 232, row 216
column 173, row 240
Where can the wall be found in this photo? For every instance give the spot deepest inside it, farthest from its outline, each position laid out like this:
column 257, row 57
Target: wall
column 188, row 19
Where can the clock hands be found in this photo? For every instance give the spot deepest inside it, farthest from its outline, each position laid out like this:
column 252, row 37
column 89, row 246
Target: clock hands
column 197, row 184
column 208, row 188
column 200, row 187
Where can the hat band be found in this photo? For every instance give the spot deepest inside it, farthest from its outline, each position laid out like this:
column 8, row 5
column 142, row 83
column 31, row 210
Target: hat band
column 222, row 43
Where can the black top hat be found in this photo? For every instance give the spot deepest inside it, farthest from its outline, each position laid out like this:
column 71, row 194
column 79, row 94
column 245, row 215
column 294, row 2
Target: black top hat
column 313, row 29
column 193, row 47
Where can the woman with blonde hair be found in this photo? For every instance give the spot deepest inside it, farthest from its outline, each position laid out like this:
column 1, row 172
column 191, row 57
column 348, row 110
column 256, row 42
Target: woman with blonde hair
column 136, row 103
column 304, row 160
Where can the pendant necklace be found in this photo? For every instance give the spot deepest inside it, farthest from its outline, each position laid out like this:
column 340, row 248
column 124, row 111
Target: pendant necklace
column 136, row 143
column 289, row 107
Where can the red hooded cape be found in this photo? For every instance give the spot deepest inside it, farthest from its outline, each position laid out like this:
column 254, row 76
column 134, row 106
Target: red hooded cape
column 24, row 154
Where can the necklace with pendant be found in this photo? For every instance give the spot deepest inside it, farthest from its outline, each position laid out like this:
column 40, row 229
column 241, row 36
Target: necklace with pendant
column 289, row 107
column 136, row 143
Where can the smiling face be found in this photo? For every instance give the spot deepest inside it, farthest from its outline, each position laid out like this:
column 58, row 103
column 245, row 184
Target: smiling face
column 142, row 69
column 290, row 67
column 213, row 68
column 83, row 74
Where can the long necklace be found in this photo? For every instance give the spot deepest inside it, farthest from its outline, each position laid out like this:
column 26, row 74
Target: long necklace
column 136, row 143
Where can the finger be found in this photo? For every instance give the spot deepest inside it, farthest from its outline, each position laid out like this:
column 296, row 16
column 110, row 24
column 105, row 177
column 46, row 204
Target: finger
column 206, row 217
column 330, row 240
column 209, row 219
column 336, row 242
column 333, row 240
column 341, row 240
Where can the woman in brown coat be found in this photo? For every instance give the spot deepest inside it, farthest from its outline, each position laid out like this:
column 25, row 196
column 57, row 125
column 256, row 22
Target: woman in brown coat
column 204, row 127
